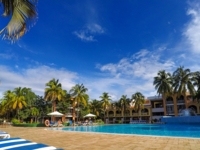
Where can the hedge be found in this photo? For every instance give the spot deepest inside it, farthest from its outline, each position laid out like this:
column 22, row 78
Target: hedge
column 29, row 125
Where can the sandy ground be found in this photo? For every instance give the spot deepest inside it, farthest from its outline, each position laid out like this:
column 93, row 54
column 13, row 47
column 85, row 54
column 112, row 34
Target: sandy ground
column 97, row 141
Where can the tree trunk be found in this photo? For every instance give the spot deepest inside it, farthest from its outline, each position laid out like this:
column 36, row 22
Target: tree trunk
column 54, row 109
column 124, row 114
column 73, row 114
column 77, row 112
column 104, row 115
column 164, row 104
column 185, row 99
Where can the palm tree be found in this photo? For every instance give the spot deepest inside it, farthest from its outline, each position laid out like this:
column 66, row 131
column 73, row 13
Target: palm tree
column 105, row 100
column 18, row 101
column 197, row 82
column 162, row 83
column 125, row 103
column 35, row 113
column 183, row 81
column 53, row 92
column 95, row 106
column 23, row 12
column 79, row 96
column 6, row 106
column 138, row 101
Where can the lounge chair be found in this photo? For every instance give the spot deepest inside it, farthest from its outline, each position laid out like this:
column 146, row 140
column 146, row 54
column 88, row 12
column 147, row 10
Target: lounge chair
column 51, row 123
column 4, row 135
column 22, row 144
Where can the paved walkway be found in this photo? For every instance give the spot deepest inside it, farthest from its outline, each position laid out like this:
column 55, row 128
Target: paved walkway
column 97, row 141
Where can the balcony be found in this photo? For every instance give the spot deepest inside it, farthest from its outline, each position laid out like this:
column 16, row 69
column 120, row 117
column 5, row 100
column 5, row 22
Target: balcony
column 169, row 102
column 135, row 114
column 111, row 115
column 180, row 101
column 157, row 109
column 118, row 115
column 144, row 114
column 127, row 115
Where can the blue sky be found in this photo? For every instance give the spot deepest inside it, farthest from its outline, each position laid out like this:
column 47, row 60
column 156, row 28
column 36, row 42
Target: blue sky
column 109, row 46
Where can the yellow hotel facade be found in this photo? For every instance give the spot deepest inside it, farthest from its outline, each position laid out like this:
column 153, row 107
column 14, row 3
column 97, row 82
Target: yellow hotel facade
column 154, row 108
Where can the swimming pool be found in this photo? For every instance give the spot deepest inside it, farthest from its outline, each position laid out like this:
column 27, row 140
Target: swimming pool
column 174, row 130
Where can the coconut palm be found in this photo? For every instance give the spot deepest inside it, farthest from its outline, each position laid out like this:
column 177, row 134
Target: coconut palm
column 95, row 106
column 78, row 93
column 125, row 103
column 22, row 13
column 138, row 101
column 6, row 103
column 183, row 81
column 162, row 83
column 18, row 101
column 53, row 92
column 35, row 113
column 197, row 82
column 105, row 101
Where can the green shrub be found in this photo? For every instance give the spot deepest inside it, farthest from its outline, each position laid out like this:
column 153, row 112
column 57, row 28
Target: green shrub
column 29, row 124
column 14, row 121
column 119, row 121
column 66, row 124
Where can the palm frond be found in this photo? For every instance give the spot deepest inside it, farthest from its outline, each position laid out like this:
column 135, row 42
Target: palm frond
column 23, row 14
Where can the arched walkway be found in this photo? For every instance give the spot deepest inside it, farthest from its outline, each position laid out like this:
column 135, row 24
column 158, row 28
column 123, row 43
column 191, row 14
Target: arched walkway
column 193, row 107
column 111, row 114
column 144, row 111
column 118, row 113
column 180, row 99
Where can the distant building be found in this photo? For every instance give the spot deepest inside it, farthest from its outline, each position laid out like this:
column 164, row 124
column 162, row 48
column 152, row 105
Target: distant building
column 154, row 109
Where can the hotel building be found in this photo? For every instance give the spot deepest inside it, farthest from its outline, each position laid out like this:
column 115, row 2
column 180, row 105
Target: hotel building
column 154, row 108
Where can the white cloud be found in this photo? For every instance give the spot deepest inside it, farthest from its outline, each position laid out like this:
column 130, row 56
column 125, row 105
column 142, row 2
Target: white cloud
column 140, row 54
column 83, row 36
column 7, row 56
column 95, row 28
column 146, row 67
column 16, row 66
column 35, row 78
column 89, row 32
column 192, row 30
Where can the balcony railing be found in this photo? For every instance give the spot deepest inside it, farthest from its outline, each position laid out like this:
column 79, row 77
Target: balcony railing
column 127, row 115
column 169, row 102
column 134, row 114
column 144, row 114
column 111, row 115
column 118, row 115
column 158, row 109
column 180, row 101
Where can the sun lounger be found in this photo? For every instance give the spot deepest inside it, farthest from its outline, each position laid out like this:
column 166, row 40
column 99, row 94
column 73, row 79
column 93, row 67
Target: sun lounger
column 22, row 144
column 4, row 135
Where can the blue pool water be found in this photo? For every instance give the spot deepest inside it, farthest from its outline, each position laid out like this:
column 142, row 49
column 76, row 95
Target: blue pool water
column 175, row 130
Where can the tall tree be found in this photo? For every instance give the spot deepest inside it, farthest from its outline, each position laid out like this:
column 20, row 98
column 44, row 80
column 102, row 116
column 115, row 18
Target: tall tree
column 78, row 92
column 35, row 113
column 138, row 101
column 197, row 81
column 19, row 99
column 22, row 13
column 125, row 103
column 6, row 103
column 162, row 83
column 105, row 100
column 183, row 81
column 53, row 92
column 95, row 106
